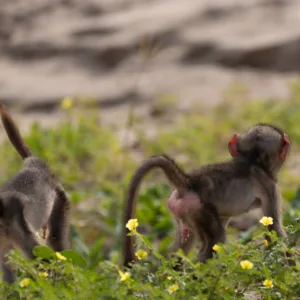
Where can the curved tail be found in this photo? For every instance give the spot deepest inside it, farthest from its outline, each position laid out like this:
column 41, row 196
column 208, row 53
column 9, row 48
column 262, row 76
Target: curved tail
column 13, row 133
column 174, row 174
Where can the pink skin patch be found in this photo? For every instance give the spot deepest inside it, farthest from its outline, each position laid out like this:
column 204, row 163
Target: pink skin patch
column 285, row 148
column 185, row 231
column 186, row 205
column 181, row 208
column 232, row 146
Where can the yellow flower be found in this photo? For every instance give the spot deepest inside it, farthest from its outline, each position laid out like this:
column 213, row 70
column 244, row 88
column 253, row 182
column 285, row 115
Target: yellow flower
column 169, row 278
column 266, row 221
column 173, row 288
column 268, row 283
column 24, row 282
column 124, row 276
column 216, row 248
column 43, row 274
column 141, row 254
column 132, row 224
column 60, row 257
column 266, row 243
column 246, row 264
column 66, row 103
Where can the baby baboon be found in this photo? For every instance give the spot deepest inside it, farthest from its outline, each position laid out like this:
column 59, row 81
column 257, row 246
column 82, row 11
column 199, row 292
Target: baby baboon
column 32, row 200
column 206, row 198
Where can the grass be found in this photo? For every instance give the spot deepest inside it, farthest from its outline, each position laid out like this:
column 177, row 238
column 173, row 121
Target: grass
column 95, row 168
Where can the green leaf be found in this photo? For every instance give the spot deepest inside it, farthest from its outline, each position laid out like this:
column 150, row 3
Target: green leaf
column 43, row 252
column 74, row 257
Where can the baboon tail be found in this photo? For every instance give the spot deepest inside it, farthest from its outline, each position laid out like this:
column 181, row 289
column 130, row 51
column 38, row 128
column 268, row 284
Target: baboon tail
column 13, row 133
column 174, row 174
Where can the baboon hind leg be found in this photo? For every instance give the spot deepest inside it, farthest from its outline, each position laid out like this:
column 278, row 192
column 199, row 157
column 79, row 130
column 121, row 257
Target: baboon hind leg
column 59, row 227
column 180, row 243
column 210, row 231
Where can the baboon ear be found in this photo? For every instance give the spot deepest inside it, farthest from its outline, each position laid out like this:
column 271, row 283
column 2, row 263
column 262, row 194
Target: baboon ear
column 232, row 146
column 285, row 147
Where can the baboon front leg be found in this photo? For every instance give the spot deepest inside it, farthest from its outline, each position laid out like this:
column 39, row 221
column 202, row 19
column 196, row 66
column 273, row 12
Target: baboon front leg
column 59, row 227
column 271, row 208
column 269, row 197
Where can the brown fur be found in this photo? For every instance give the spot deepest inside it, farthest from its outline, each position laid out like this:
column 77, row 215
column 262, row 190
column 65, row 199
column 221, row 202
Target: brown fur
column 32, row 200
column 206, row 198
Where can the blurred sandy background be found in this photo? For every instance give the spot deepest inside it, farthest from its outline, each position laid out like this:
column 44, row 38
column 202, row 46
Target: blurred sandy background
column 119, row 52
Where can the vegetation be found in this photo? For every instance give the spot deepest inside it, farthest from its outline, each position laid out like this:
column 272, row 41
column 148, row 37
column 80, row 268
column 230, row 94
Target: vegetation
column 95, row 167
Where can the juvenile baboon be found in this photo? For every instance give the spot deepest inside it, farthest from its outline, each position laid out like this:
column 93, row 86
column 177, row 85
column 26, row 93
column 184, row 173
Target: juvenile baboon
column 206, row 198
column 32, row 200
